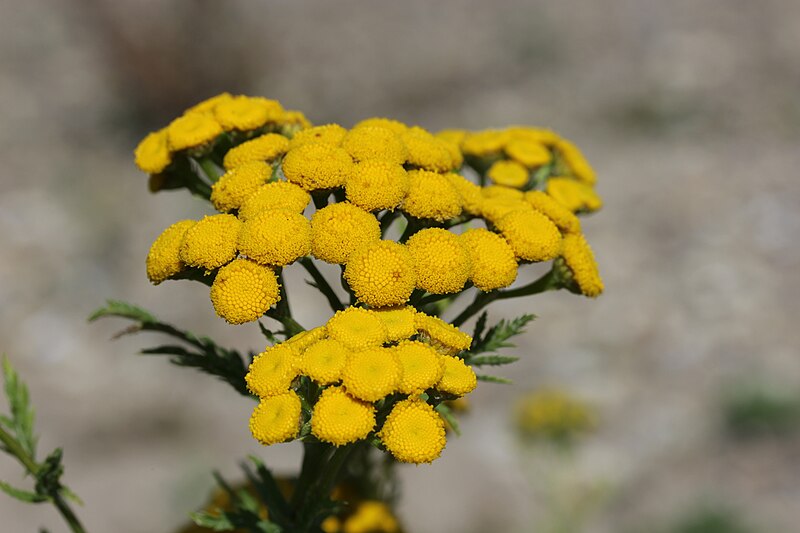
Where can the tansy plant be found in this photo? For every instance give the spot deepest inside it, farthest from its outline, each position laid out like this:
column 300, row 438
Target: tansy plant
column 415, row 222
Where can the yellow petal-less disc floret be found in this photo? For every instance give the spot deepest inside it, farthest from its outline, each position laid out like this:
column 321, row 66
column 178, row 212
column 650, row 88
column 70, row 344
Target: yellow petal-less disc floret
column 376, row 184
column 543, row 136
column 275, row 195
column 442, row 262
column 326, row 134
column 399, row 321
column 211, row 242
column 445, row 337
column 426, row 151
column 247, row 113
column 243, row 291
column 483, row 143
column 208, row 105
column 494, row 265
column 163, row 259
column 470, row 193
column 301, row 341
column 276, row 237
column 390, row 124
column 237, row 184
column 152, row 154
column 264, row 148
column 276, row 419
column 340, row 229
column 413, row 432
column 315, row 166
column 458, row 378
column 576, row 162
column 562, row 217
column 272, row 371
column 532, row 236
column 431, row 195
column 422, row 366
column 381, row 274
column 579, row 258
column 493, row 209
column 508, row 173
column 372, row 142
column 340, row 419
column 324, row 360
column 371, row 374
column 574, row 195
column 191, row 130
column 357, row 328
column 530, row 154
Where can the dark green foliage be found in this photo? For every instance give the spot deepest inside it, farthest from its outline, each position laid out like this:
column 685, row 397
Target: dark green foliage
column 757, row 411
column 20, row 423
column 491, row 340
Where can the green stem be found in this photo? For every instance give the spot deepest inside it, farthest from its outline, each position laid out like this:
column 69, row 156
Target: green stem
column 69, row 516
column 210, row 169
column 283, row 313
column 386, row 221
column 322, row 284
column 322, row 489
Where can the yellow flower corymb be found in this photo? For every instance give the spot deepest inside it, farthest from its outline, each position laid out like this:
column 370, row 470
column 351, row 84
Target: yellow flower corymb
column 315, row 166
column 413, row 432
column 442, row 262
column 579, row 258
column 324, row 360
column 494, row 265
column 576, row 162
column 340, row 419
column 264, row 148
column 381, row 274
column 371, row 142
column 243, row 291
column 276, row 419
column 152, row 154
column 377, row 184
column 371, row 374
column 422, row 366
column 458, row 378
column 532, row 236
column 339, row 229
column 276, row 237
column 275, row 195
column 357, row 328
column 272, row 371
column 237, row 184
column 431, row 195
column 191, row 130
column 163, row 259
column 211, row 242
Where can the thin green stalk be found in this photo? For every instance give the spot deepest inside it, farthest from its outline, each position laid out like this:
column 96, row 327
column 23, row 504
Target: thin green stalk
column 322, row 283
column 210, row 169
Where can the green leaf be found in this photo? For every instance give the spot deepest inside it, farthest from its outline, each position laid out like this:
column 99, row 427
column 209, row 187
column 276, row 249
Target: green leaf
column 268, row 490
column 480, row 326
column 121, row 309
column 492, row 360
column 21, row 421
column 215, row 522
column 498, row 335
column 494, row 379
column 449, row 417
column 22, row 495
column 269, row 335
column 48, row 478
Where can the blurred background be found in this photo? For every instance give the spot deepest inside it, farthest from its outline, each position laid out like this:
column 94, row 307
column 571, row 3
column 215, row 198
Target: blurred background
column 689, row 112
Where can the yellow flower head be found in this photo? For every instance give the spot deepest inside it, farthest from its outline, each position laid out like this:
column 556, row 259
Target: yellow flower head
column 413, row 432
column 544, row 136
column 553, row 414
column 494, row 265
column 371, row 516
column 152, row 154
column 371, row 374
column 390, row 124
column 211, row 242
column 579, row 258
column 339, row 229
column 208, row 105
column 326, row 134
column 272, row 371
column 444, row 337
column 357, row 328
column 247, row 113
column 275, row 195
column 501, row 191
column 574, row 195
column 576, row 162
column 193, row 129
column 372, row 142
column 376, row 184
column 399, row 321
column 276, row 419
column 292, row 122
column 493, row 209
column 163, row 259
column 532, row 236
column 458, row 378
column 530, row 154
column 381, row 274
column 324, row 360
column 426, row 151
column 452, row 140
column 243, row 291
column 340, row 419
column 264, row 148
column 562, row 217
column 422, row 366
column 301, row 341
column 508, row 173
column 454, row 136
column 237, row 184
column 276, row 237
column 442, row 262
column 483, row 143
column 431, row 195
column 470, row 193
column 317, row 166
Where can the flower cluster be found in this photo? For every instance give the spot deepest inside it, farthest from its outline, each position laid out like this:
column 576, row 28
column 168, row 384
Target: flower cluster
column 364, row 374
column 554, row 415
